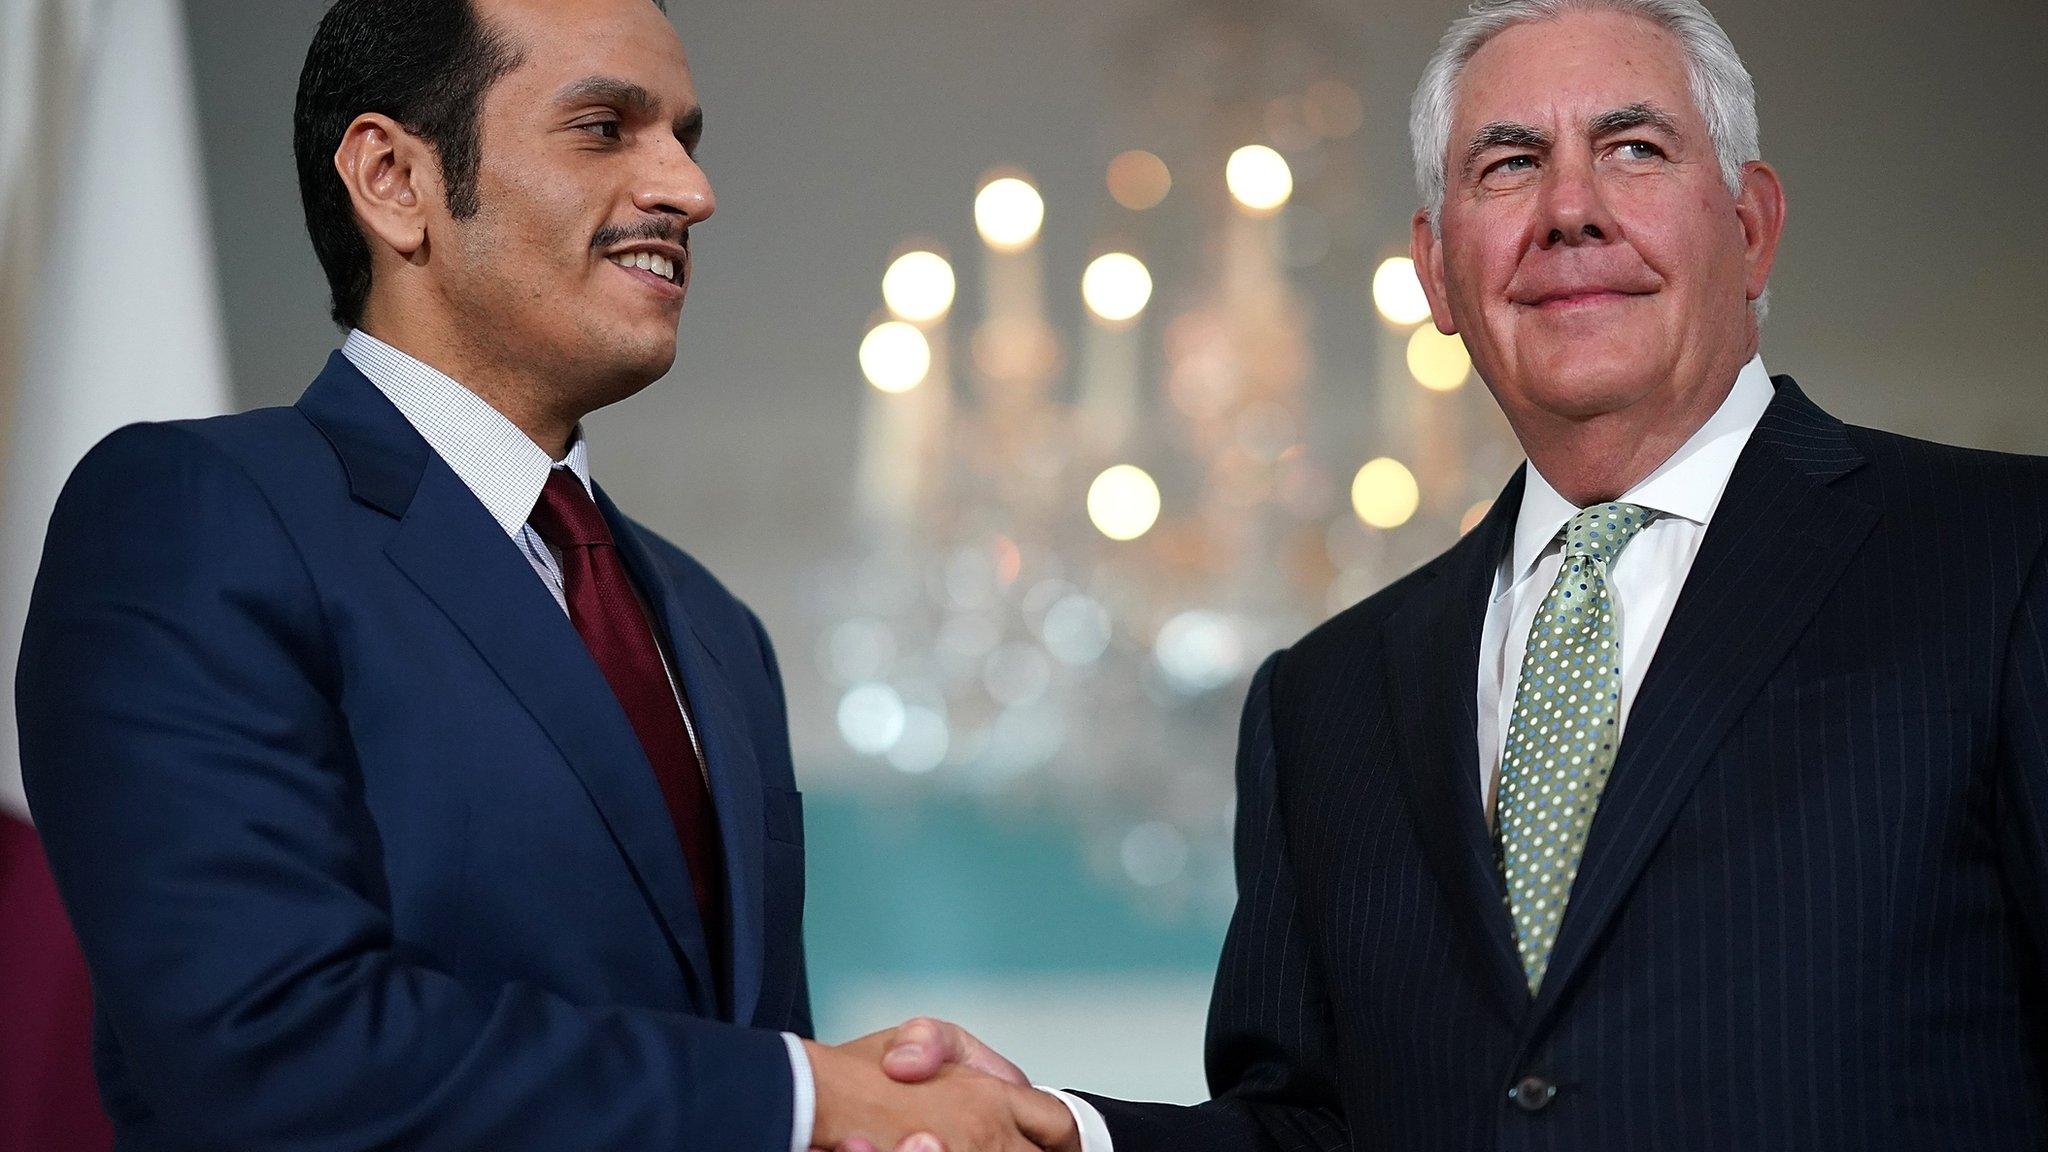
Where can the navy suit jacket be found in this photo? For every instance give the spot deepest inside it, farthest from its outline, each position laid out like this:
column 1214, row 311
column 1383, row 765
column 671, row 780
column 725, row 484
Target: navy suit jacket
column 361, row 849
column 1813, row 904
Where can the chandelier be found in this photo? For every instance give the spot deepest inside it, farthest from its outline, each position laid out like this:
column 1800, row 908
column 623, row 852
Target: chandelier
column 1076, row 545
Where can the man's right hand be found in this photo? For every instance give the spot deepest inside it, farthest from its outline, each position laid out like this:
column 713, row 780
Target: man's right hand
column 923, row 1049
column 966, row 1108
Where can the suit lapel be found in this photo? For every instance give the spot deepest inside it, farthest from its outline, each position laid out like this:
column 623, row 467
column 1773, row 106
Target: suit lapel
column 1777, row 544
column 1432, row 675
column 380, row 453
column 462, row 561
column 735, row 775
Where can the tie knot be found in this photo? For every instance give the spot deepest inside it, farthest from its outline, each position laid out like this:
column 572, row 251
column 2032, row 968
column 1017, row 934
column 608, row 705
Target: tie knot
column 1603, row 530
column 566, row 516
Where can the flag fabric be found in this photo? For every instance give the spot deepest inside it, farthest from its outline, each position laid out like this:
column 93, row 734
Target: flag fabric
column 48, row 1102
column 108, row 315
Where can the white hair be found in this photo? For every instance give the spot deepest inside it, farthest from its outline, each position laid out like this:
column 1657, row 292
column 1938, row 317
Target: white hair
column 1721, row 86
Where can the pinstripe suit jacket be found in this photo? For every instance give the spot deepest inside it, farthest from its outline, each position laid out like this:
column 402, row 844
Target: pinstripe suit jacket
column 1814, row 902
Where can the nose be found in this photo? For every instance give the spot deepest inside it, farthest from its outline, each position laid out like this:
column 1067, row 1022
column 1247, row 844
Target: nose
column 674, row 184
column 1571, row 209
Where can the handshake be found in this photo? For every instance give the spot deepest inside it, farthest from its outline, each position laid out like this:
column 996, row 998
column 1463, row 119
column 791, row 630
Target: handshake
column 928, row 1086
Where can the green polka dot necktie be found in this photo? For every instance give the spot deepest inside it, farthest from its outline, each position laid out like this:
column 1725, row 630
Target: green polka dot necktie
column 1562, row 735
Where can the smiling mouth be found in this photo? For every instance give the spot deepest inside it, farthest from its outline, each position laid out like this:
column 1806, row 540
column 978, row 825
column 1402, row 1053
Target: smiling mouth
column 653, row 263
column 1567, row 300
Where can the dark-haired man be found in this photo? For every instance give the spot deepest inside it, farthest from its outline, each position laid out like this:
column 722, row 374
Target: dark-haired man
column 403, row 792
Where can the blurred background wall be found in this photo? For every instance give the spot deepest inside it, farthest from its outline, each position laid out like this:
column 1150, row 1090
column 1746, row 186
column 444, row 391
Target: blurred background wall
column 1015, row 734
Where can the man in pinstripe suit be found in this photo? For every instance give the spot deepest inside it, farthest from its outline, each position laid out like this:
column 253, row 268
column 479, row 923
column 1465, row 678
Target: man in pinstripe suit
column 1697, row 798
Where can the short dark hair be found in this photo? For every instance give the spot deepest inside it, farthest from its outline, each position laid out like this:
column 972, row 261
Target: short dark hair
column 424, row 63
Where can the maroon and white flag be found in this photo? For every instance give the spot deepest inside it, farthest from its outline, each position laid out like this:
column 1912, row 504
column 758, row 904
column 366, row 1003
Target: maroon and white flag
column 108, row 315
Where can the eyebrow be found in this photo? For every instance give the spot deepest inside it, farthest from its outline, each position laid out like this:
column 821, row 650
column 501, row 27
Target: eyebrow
column 1509, row 134
column 1504, row 134
column 631, row 98
column 1641, row 114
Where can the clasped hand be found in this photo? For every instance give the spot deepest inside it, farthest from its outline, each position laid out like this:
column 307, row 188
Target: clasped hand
column 928, row 1086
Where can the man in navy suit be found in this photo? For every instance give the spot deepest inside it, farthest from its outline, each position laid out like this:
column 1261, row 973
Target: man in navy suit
column 402, row 791
column 1698, row 797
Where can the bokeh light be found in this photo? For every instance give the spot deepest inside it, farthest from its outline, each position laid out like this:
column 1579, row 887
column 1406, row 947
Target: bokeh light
column 1473, row 516
column 1259, row 178
column 1077, row 630
column 1333, row 109
column 1384, row 493
column 1009, row 213
column 1397, row 292
column 919, row 287
column 1199, row 651
column 1438, row 362
column 895, row 356
column 1123, row 502
column 1138, row 180
column 923, row 743
column 1154, row 853
column 871, row 718
column 1116, row 286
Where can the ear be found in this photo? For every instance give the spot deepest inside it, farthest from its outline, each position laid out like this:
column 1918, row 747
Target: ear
column 1426, row 248
column 390, row 175
column 1761, row 209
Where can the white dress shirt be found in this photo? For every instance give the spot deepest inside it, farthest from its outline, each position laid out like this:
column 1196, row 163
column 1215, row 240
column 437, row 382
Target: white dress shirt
column 507, row 470
column 1683, row 493
column 1645, row 579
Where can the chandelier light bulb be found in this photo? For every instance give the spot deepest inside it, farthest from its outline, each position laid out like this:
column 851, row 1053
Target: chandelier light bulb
column 1259, row 178
column 1009, row 213
column 1384, row 493
column 919, row 287
column 1139, row 180
column 1397, row 292
column 1123, row 503
column 895, row 357
column 1438, row 362
column 1116, row 287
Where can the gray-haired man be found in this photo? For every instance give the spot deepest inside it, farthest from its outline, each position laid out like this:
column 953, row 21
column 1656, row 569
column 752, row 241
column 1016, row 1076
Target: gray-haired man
column 1698, row 798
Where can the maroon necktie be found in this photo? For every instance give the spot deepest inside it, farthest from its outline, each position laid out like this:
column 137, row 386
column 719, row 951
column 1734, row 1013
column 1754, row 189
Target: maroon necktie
column 607, row 614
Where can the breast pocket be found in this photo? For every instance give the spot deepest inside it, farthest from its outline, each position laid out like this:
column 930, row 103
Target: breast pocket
column 1898, row 746
column 1887, row 691
column 783, row 809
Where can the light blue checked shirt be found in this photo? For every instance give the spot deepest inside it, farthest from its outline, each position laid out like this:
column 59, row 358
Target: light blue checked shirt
column 507, row 470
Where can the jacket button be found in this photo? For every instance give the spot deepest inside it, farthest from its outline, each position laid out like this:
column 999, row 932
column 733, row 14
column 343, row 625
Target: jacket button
column 1533, row 1094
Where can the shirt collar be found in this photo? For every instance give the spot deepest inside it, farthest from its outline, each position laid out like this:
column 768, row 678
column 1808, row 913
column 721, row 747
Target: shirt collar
column 1688, row 485
column 486, row 450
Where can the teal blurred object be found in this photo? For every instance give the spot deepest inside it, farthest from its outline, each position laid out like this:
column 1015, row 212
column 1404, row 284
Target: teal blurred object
column 987, row 912
column 940, row 884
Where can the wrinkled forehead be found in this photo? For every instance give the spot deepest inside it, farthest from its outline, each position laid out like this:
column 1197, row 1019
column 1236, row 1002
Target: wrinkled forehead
column 1561, row 74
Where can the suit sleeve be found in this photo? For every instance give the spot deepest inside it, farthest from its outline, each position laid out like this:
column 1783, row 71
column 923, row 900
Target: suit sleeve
column 1270, row 1050
column 193, row 780
column 2022, row 764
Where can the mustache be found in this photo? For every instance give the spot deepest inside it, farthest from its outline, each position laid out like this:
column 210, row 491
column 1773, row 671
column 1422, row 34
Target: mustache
column 662, row 230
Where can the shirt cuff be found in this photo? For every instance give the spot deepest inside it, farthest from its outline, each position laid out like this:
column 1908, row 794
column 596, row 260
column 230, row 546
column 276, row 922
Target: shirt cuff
column 1094, row 1129
column 805, row 1098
